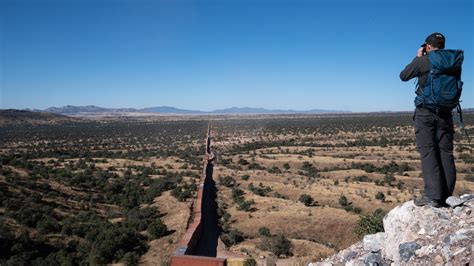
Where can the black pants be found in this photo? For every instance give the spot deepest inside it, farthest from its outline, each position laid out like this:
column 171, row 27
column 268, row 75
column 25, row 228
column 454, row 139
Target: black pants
column 434, row 140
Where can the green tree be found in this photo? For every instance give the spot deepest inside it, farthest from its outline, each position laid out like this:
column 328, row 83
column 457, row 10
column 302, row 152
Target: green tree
column 380, row 196
column 245, row 205
column 48, row 225
column 306, row 199
column 157, row 229
column 131, row 259
column 233, row 237
column 278, row 245
column 237, row 192
column 227, row 181
column 343, row 201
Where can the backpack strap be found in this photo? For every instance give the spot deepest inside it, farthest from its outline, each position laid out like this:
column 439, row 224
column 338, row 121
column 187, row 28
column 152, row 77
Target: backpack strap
column 461, row 123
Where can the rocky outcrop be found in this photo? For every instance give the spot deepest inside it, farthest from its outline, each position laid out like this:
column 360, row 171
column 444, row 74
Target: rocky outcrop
column 417, row 235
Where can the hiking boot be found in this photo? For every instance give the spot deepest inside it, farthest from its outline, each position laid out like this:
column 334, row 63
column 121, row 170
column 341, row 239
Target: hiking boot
column 425, row 201
column 443, row 204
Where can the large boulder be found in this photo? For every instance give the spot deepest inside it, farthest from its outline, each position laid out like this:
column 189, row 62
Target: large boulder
column 417, row 235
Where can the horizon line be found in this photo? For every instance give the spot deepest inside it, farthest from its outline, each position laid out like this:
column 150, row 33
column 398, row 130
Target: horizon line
column 227, row 108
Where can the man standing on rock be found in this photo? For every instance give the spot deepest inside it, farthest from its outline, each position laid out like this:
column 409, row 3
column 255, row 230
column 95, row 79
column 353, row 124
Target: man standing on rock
column 439, row 73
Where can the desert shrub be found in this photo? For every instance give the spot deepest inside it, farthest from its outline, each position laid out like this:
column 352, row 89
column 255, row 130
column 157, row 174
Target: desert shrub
column 470, row 178
column 245, row 177
column 250, row 262
column 236, row 193
column 132, row 196
column 343, row 201
column 274, row 170
column 362, row 178
column 263, row 231
column 181, row 193
column 131, row 259
column 357, row 210
column 368, row 167
column 468, row 159
column 260, row 189
column 370, row 224
column 225, row 161
column 156, row 187
column 113, row 242
column 243, row 162
column 48, row 225
column 224, row 218
column 391, row 167
column 306, row 199
column 309, row 170
column 55, row 258
column 400, row 184
column 279, row 196
column 388, row 179
column 380, row 196
column 22, row 250
column 227, row 181
column 348, row 208
column 460, row 148
column 27, row 212
column 286, row 166
column 245, row 205
column 139, row 218
column 278, row 245
column 234, row 236
column 256, row 166
column 157, row 229
column 82, row 224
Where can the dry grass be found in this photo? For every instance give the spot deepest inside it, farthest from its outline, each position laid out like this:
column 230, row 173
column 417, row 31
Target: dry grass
column 176, row 215
column 319, row 230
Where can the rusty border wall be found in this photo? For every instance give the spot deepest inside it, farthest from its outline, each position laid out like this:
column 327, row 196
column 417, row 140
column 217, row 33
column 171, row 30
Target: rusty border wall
column 191, row 238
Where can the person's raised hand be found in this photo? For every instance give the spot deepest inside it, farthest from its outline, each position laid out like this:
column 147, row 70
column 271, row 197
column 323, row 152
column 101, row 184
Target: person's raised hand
column 420, row 52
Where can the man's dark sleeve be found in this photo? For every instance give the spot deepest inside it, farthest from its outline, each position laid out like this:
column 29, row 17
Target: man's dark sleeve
column 412, row 70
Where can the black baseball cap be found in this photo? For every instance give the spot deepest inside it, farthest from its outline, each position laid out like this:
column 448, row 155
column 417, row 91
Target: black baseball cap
column 436, row 39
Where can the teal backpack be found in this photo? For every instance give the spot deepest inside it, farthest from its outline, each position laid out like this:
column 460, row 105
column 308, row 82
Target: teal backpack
column 444, row 86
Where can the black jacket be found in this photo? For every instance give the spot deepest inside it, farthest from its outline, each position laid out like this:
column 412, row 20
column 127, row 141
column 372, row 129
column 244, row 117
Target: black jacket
column 418, row 68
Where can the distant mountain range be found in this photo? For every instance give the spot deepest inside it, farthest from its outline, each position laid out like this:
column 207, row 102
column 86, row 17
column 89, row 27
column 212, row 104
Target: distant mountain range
column 71, row 110
column 92, row 110
column 59, row 115
column 16, row 117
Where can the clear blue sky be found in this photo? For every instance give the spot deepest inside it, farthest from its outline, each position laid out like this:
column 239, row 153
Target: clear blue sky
column 343, row 55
